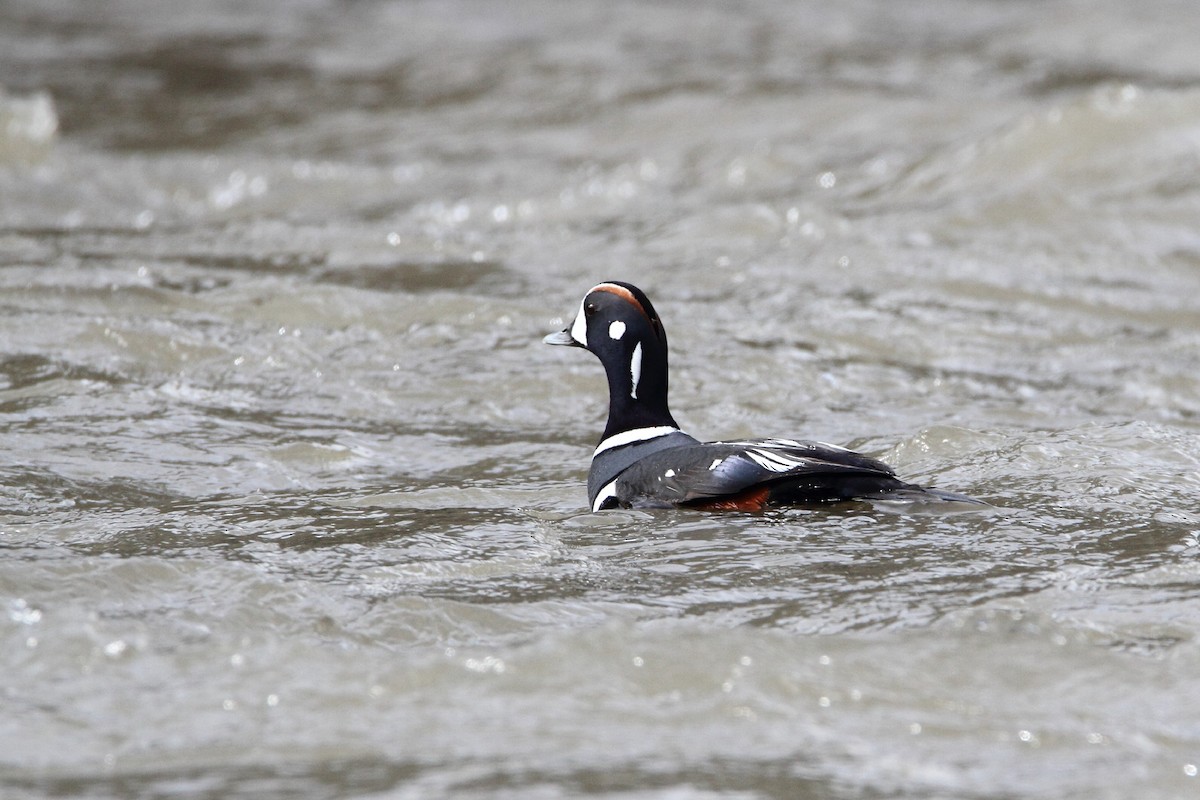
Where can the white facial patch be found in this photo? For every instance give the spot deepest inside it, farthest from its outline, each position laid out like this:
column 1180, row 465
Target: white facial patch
column 635, row 368
column 579, row 326
column 616, row 330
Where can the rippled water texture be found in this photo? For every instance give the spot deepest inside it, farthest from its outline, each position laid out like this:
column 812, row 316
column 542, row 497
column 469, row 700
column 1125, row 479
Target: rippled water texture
column 292, row 497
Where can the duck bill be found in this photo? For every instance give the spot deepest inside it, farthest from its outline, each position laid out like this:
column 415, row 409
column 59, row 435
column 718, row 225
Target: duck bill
column 562, row 337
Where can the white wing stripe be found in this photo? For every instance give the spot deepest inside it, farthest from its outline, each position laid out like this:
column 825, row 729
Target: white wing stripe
column 775, row 462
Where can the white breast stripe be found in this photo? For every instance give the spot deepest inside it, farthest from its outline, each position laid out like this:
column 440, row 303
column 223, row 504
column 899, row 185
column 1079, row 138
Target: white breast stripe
column 635, row 435
column 609, row 490
column 635, row 368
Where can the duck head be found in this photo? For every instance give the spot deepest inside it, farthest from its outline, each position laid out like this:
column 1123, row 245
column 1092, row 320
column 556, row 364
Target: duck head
column 617, row 323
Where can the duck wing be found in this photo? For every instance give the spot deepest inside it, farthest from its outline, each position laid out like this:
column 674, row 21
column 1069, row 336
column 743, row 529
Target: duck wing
column 756, row 471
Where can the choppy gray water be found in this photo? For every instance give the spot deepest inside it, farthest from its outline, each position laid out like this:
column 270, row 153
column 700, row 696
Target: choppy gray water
column 292, row 498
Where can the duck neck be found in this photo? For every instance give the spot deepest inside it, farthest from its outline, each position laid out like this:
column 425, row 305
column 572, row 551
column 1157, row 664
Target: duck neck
column 637, row 392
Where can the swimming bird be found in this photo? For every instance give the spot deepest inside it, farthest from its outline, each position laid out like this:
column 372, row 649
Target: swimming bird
column 644, row 460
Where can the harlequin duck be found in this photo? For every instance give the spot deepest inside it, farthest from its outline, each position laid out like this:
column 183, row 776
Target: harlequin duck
column 645, row 461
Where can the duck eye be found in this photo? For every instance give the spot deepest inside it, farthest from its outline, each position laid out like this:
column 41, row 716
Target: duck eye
column 589, row 309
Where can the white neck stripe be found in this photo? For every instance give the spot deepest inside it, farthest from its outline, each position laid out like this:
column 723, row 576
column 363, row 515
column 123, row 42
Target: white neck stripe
column 635, row 369
column 635, row 435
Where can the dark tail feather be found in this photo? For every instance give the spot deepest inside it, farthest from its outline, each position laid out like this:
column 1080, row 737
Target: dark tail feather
column 837, row 487
column 916, row 494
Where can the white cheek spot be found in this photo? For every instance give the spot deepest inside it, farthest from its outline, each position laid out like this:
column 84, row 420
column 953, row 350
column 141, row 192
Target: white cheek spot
column 616, row 330
column 716, row 463
column 669, row 473
column 635, row 369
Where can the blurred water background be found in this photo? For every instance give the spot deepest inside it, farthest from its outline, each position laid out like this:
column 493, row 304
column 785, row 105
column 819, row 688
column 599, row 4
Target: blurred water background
column 292, row 497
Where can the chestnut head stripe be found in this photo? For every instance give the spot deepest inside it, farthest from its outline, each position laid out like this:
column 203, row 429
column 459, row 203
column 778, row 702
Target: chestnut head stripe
column 623, row 293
